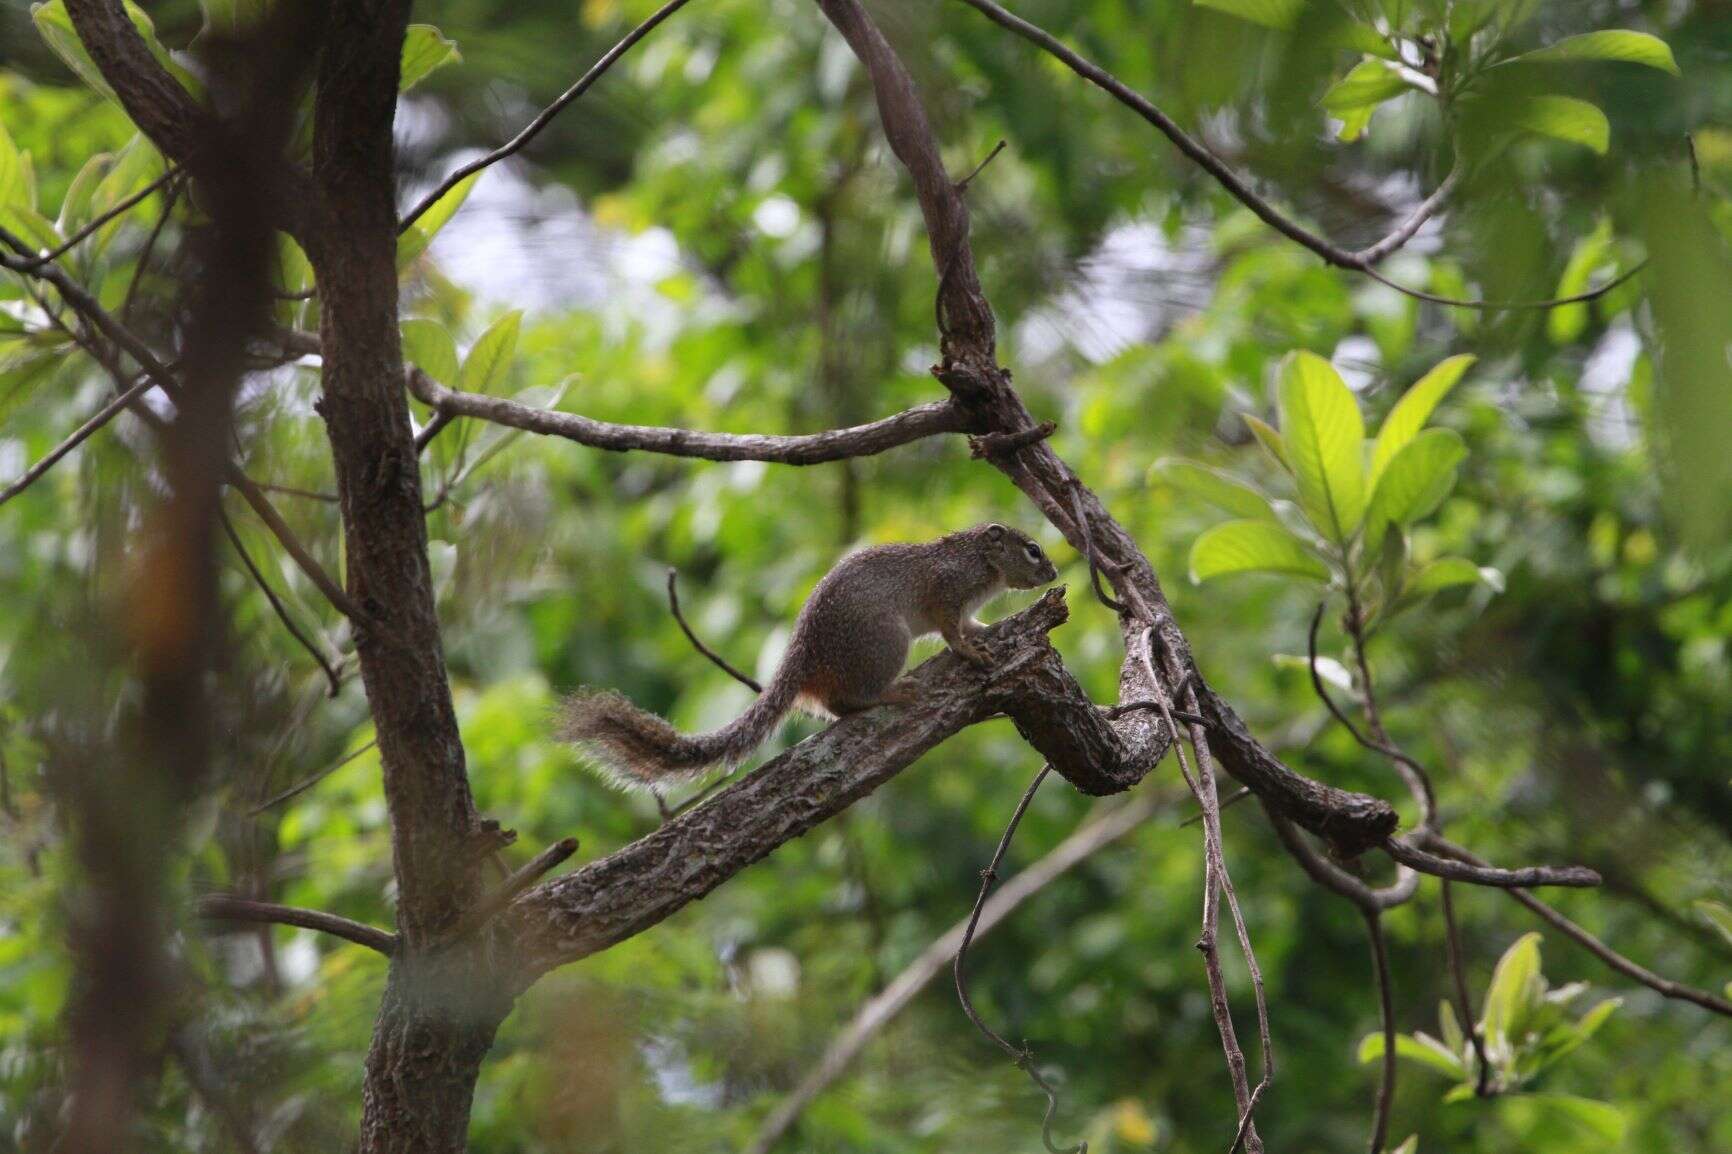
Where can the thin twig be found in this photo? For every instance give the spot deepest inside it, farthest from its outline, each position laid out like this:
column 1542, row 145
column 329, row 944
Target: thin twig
column 962, row 185
column 304, row 785
column 520, row 879
column 293, row 491
column 267, row 512
column 100, row 418
column 1464, row 1000
column 281, row 610
column 1082, row 522
column 37, row 261
column 1386, row 1009
column 227, row 908
column 144, row 254
column 1216, row 882
column 1022, row 1056
column 721, row 662
column 1663, row 986
column 1408, row 854
column 545, row 116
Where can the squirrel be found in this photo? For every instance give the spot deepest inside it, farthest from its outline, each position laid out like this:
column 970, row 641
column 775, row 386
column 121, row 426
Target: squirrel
column 848, row 647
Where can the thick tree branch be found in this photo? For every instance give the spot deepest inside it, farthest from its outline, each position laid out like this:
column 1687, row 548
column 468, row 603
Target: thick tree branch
column 631, row 890
column 926, row 420
column 226, row 908
column 154, row 99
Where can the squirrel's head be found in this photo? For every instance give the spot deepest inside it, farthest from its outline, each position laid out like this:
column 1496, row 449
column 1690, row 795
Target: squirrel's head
column 1017, row 558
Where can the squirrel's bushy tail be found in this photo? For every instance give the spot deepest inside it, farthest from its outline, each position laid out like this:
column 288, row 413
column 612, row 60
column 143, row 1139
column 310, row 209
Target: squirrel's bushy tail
column 637, row 748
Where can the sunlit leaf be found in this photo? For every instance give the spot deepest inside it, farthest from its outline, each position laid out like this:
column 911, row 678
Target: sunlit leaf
column 1253, row 547
column 1269, row 13
column 1607, row 44
column 1217, row 488
column 1601, row 1122
column 1414, row 408
column 12, row 178
column 425, row 51
column 1717, row 915
column 56, row 29
column 1415, row 483
column 75, row 205
column 1324, row 434
column 1563, row 118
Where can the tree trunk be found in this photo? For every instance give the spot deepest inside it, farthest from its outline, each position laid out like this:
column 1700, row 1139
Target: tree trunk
column 441, row 1005
column 435, row 1025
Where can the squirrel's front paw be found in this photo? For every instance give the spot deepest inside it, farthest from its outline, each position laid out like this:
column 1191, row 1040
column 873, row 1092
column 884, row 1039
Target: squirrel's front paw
column 973, row 654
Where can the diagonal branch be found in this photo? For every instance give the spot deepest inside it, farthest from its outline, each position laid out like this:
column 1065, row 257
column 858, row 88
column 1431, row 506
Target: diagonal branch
column 545, row 116
column 101, row 417
column 277, row 606
column 931, row 419
column 692, row 853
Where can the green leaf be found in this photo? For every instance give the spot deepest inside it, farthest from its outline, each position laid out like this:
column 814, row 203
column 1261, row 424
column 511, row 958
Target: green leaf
column 1717, row 915
column 13, row 185
column 1414, row 409
column 55, row 27
column 490, row 356
column 1445, row 573
column 75, row 206
column 1564, row 118
column 428, row 346
column 1601, row 1122
column 419, row 235
column 1567, row 322
column 1213, row 486
column 1417, row 480
column 425, row 51
column 1368, row 84
column 1689, row 286
column 1271, row 440
column 1325, row 436
column 1253, row 547
column 30, row 226
column 1515, row 986
column 1411, row 1146
column 1269, row 13
column 1414, row 1050
column 1609, row 44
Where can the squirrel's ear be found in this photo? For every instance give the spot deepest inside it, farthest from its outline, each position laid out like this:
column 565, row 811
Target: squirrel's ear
column 995, row 531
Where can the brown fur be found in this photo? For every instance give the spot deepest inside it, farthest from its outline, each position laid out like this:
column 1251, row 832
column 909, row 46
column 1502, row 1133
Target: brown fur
column 849, row 644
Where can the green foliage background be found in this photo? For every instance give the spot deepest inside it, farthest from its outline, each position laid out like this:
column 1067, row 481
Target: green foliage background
column 1580, row 715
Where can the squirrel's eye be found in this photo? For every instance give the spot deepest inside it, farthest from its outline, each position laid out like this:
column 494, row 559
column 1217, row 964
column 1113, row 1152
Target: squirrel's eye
column 1032, row 550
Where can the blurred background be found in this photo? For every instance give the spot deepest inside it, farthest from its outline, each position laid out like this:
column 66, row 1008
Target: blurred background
column 716, row 237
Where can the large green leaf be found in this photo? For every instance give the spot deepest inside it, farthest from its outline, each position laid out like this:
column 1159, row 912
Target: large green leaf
column 1717, row 915
column 1416, row 481
column 1514, row 990
column 14, row 188
column 1689, row 286
column 490, row 356
column 1414, row 409
column 427, row 345
column 1325, row 436
column 425, row 51
column 415, row 239
column 1608, row 44
column 1213, row 486
column 1564, row 118
column 1269, row 13
column 1253, row 547
column 1446, row 573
